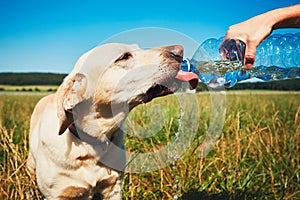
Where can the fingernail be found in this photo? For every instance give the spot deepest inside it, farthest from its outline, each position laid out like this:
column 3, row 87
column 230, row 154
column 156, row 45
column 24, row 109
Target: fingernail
column 248, row 66
column 249, row 63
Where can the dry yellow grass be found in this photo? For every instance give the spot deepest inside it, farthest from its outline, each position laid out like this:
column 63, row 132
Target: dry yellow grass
column 257, row 156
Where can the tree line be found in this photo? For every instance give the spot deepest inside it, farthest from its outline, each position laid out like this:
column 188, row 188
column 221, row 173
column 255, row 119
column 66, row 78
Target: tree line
column 31, row 78
column 56, row 79
column 288, row 85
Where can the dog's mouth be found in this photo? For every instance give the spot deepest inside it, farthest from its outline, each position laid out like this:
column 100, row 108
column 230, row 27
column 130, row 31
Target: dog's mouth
column 172, row 85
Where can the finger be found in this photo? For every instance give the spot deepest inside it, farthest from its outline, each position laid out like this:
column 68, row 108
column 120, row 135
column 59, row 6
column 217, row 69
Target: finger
column 241, row 46
column 250, row 53
column 223, row 49
column 230, row 49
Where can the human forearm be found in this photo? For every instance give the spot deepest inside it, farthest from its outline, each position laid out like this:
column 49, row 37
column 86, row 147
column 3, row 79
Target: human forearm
column 255, row 29
column 288, row 17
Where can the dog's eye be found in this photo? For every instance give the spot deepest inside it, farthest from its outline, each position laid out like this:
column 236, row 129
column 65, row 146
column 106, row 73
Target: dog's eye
column 125, row 56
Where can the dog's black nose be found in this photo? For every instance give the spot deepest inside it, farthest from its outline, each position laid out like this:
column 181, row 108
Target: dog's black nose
column 176, row 52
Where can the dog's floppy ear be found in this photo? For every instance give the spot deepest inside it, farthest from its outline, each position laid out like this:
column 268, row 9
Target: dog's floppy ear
column 69, row 95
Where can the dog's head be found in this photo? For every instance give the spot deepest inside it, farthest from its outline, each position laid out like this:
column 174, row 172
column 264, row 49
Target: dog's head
column 112, row 79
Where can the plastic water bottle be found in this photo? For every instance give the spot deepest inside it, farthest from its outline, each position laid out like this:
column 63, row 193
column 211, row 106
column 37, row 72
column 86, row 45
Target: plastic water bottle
column 277, row 58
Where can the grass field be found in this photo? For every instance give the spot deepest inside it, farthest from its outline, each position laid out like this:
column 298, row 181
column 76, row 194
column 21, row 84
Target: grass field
column 28, row 88
column 257, row 156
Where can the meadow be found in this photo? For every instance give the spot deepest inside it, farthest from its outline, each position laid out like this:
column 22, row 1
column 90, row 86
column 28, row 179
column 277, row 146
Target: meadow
column 255, row 157
column 28, row 88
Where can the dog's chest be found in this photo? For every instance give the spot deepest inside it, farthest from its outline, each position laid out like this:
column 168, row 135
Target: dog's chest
column 94, row 172
column 90, row 180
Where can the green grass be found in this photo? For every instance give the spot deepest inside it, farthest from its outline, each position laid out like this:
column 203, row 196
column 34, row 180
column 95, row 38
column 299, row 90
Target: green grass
column 257, row 156
column 28, row 88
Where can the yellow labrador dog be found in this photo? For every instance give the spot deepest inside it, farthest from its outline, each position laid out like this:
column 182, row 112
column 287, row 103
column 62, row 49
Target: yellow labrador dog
column 76, row 138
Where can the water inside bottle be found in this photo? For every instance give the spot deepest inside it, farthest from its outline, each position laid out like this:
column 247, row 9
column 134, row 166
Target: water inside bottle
column 220, row 73
column 277, row 58
column 275, row 73
column 227, row 73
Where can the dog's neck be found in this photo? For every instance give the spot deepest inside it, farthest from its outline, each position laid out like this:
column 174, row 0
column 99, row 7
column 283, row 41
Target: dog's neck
column 110, row 152
column 104, row 137
column 85, row 137
column 98, row 125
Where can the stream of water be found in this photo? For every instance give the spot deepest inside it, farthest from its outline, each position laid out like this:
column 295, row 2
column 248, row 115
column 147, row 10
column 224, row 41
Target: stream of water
column 174, row 155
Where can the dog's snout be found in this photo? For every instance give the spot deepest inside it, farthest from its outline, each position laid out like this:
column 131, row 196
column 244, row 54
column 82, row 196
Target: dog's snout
column 176, row 52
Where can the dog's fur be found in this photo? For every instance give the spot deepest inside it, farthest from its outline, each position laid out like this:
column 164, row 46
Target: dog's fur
column 72, row 131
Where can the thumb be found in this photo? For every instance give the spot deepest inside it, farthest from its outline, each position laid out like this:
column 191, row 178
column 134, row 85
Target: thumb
column 250, row 53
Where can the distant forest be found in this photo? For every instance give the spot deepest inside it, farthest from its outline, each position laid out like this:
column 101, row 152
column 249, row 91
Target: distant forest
column 288, row 84
column 31, row 78
column 56, row 79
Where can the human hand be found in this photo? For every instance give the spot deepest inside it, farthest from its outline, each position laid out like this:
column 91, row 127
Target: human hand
column 254, row 30
column 246, row 36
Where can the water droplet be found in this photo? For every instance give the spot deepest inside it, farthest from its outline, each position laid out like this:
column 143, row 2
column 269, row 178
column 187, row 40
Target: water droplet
column 174, row 155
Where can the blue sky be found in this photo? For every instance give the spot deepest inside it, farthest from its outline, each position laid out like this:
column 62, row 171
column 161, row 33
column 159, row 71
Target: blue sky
column 49, row 36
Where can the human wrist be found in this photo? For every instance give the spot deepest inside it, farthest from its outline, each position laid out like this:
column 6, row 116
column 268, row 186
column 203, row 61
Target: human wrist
column 287, row 17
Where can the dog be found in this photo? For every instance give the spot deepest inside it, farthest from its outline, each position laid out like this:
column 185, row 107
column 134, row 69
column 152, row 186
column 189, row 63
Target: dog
column 76, row 138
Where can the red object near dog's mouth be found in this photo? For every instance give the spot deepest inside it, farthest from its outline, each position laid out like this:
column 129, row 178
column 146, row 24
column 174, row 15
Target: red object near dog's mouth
column 190, row 77
column 171, row 85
